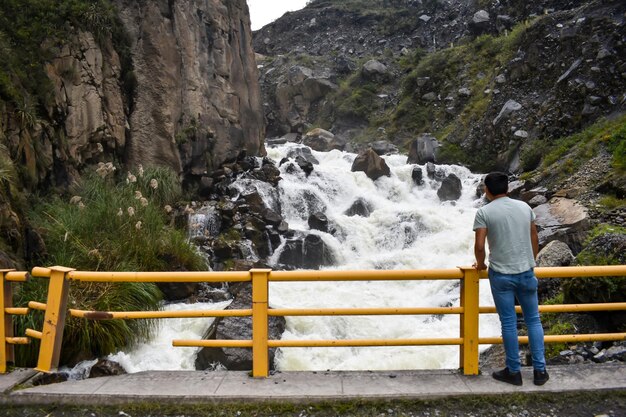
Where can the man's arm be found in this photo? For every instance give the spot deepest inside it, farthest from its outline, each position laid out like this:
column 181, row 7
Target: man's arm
column 534, row 239
column 479, row 248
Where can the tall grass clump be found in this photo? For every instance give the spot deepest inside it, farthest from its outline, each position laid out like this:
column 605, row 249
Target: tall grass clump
column 109, row 226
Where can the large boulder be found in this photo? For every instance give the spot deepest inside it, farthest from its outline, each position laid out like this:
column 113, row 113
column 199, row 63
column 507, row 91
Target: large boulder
column 562, row 219
column 309, row 252
column 236, row 328
column 423, row 150
column 450, row 189
column 374, row 70
column 480, row 23
column 373, row 165
column 556, row 253
column 322, row 140
column 384, row 147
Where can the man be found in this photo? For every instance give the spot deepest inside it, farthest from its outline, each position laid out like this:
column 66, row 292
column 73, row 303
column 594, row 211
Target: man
column 509, row 227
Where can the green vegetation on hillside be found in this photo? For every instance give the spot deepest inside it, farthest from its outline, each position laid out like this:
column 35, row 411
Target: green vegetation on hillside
column 109, row 226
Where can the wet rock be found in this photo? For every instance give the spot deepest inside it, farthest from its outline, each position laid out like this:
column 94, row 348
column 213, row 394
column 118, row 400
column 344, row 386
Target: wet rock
column 305, row 166
column 309, row 252
column 450, row 189
column 318, row 221
column 423, row 150
column 105, row 367
column 271, row 217
column 303, row 152
column 359, row 208
column 417, row 176
column 373, row 165
column 237, row 328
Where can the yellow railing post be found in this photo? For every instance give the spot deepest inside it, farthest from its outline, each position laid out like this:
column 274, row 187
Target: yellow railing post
column 54, row 319
column 469, row 321
column 6, row 323
column 260, row 350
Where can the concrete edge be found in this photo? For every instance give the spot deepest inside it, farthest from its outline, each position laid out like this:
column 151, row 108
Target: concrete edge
column 117, row 400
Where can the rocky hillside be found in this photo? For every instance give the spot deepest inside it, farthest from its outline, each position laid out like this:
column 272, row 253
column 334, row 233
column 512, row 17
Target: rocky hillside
column 534, row 88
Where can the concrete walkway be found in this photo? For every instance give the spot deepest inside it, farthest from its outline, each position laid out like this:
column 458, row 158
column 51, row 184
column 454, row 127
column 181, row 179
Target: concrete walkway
column 199, row 386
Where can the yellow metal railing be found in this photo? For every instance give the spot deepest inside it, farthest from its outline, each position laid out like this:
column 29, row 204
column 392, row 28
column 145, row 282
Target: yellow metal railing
column 7, row 311
column 468, row 311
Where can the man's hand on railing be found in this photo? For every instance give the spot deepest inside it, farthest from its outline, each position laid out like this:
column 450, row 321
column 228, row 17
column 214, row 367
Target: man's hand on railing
column 480, row 266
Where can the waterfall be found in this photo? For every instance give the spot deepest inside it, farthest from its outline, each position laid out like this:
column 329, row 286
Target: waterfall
column 407, row 228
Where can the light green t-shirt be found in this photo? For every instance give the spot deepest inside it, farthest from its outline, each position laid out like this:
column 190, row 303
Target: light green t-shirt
column 508, row 234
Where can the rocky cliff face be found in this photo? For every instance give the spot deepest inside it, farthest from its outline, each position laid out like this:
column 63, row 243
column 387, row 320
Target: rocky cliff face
column 198, row 100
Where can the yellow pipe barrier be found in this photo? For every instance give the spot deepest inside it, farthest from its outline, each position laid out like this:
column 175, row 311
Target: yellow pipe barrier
column 367, row 275
column 565, row 308
column 110, row 315
column 16, row 311
column 16, row 276
column 7, row 311
column 37, row 305
column 282, row 312
column 18, row 340
column 468, row 310
column 580, row 271
column 34, row 334
column 213, row 343
column 595, row 337
column 365, row 342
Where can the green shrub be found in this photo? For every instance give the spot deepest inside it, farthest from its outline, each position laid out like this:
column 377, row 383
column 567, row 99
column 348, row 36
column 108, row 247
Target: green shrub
column 109, row 227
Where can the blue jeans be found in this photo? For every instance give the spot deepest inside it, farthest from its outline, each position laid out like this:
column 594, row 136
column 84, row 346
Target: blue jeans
column 505, row 288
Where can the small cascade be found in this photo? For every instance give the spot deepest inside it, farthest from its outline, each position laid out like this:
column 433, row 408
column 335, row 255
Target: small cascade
column 204, row 223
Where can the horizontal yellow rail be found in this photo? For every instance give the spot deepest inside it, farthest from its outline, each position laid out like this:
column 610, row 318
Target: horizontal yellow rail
column 37, row 306
column 213, row 343
column 18, row 340
column 177, row 276
column 16, row 311
column 580, row 271
column 33, row 333
column 109, row 315
column 363, row 311
column 565, row 308
column 597, row 337
column 364, row 342
column 367, row 275
column 16, row 276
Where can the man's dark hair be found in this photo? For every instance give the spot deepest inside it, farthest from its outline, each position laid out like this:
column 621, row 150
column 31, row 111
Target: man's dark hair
column 497, row 183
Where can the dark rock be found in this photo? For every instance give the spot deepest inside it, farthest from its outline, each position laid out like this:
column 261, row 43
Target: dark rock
column 359, row 208
column 236, row 328
column 271, row 217
column 322, row 140
column 417, row 176
column 308, row 253
column 431, row 170
column 304, row 153
column 254, row 200
column 305, row 166
column 383, row 147
column 450, row 189
column 205, row 186
column 318, row 221
column 173, row 291
column 105, row 367
column 423, row 150
column 373, row 165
